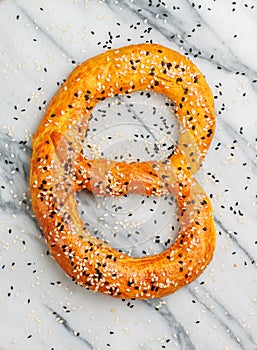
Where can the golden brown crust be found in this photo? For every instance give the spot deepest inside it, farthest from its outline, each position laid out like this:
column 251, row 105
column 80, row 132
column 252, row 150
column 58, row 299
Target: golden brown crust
column 58, row 169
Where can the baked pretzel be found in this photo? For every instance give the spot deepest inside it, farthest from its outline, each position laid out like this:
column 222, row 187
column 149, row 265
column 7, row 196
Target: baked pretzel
column 59, row 169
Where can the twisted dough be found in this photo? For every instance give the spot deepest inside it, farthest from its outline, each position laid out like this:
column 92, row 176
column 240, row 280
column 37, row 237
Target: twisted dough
column 59, row 169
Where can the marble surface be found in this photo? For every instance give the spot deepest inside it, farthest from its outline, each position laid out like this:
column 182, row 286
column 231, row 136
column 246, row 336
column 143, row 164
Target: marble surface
column 40, row 308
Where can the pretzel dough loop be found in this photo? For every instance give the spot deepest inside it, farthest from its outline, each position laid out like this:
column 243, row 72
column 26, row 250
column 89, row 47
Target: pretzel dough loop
column 59, row 169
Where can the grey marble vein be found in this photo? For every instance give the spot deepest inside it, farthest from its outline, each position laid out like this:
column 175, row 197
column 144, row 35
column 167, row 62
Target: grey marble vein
column 185, row 343
column 66, row 325
column 122, row 99
column 245, row 144
column 229, row 323
column 234, row 240
column 14, row 160
column 174, row 26
column 225, row 318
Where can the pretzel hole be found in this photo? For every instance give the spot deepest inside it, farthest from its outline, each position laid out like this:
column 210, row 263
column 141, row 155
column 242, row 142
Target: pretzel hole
column 136, row 127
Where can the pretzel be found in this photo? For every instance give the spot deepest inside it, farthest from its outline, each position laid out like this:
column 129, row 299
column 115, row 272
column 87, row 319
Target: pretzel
column 59, row 169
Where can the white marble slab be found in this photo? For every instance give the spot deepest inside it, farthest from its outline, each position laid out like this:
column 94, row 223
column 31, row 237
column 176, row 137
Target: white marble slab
column 40, row 308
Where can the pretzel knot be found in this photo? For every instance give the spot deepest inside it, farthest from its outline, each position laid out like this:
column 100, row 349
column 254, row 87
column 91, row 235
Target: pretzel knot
column 59, row 170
